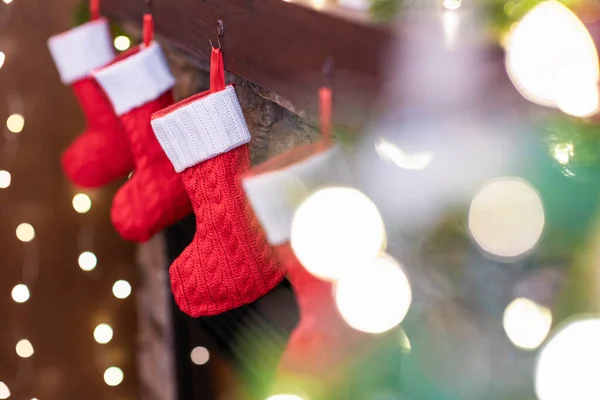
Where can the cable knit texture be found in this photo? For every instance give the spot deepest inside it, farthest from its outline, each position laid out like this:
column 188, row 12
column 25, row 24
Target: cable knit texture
column 229, row 263
column 154, row 197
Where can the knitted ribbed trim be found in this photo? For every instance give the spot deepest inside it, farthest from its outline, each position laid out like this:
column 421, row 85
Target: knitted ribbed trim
column 276, row 195
column 136, row 80
column 202, row 129
column 80, row 50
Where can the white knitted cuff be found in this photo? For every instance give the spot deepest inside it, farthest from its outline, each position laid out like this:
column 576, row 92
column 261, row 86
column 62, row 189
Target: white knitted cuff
column 136, row 80
column 80, row 50
column 276, row 195
column 202, row 129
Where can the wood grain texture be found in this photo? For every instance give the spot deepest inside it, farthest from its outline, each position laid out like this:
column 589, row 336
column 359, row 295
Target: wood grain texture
column 278, row 45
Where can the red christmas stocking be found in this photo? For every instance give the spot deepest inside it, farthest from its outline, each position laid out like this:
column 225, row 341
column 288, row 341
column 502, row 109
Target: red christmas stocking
column 154, row 197
column 229, row 263
column 322, row 343
column 101, row 153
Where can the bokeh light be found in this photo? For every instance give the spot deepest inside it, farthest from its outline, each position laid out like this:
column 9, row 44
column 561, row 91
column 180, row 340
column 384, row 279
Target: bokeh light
column 200, row 355
column 25, row 232
column 15, row 123
column 506, row 217
column 82, row 203
column 122, row 43
column 7, row 1
column 568, row 366
column 374, row 299
column 527, row 323
column 285, row 397
column 4, row 392
column 5, row 179
column 389, row 151
column 113, row 376
column 121, row 289
column 20, row 293
column 552, row 60
column 87, row 261
column 563, row 152
column 103, row 333
column 24, row 348
column 335, row 231
column 451, row 4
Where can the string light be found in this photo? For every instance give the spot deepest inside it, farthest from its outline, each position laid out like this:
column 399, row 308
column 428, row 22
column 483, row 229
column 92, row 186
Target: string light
column 568, row 366
column 5, row 179
column 4, row 392
column 25, row 232
column 335, row 231
column 24, row 348
column 15, row 123
column 552, row 60
column 122, row 43
column 374, row 299
column 87, row 261
column 82, row 203
column 113, row 376
column 200, row 355
column 527, row 323
column 121, row 289
column 103, row 333
column 506, row 217
column 20, row 293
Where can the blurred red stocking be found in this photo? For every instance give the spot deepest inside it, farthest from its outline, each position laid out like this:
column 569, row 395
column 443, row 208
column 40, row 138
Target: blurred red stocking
column 229, row 263
column 154, row 197
column 322, row 344
column 101, row 154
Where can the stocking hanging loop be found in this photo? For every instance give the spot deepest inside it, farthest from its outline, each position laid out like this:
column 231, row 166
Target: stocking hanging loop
column 325, row 100
column 94, row 9
column 148, row 24
column 217, row 70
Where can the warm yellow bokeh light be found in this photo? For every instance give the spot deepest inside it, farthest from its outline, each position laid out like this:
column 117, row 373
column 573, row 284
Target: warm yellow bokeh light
column 82, row 203
column 564, row 152
column 5, row 179
column 200, row 355
column 7, row 1
column 335, row 231
column 87, row 261
column 552, row 60
column 389, row 151
column 2, row 58
column 113, row 376
column 568, row 366
column 527, row 323
column 24, row 348
column 121, row 289
column 506, row 217
column 15, row 123
column 103, row 333
column 451, row 4
column 25, row 232
column 4, row 392
column 122, row 43
column 374, row 299
column 20, row 293
column 285, row 397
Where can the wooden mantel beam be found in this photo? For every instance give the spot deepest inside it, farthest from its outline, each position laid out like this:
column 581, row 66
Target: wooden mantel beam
column 279, row 45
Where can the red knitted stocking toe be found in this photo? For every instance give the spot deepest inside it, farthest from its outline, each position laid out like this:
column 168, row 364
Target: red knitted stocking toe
column 154, row 197
column 229, row 263
column 101, row 154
